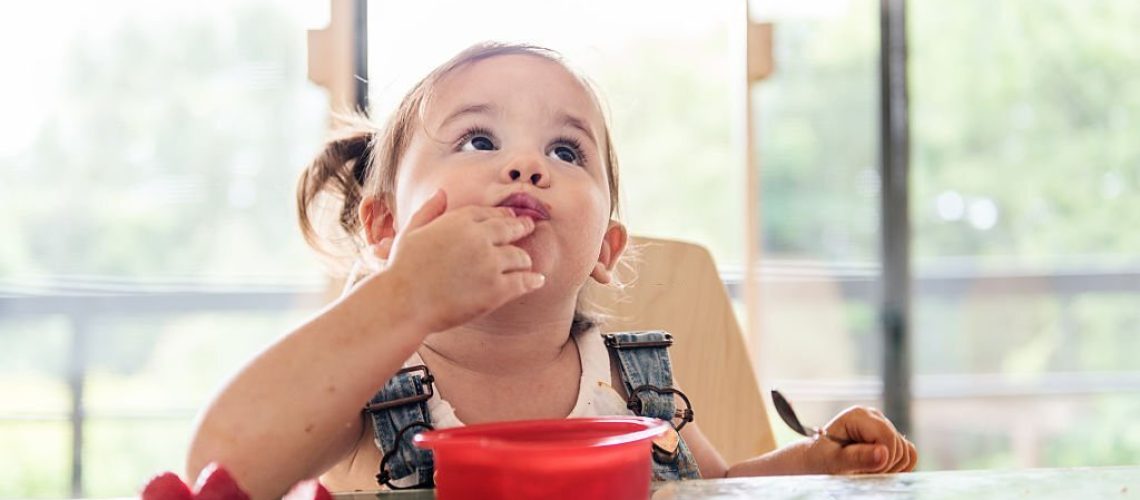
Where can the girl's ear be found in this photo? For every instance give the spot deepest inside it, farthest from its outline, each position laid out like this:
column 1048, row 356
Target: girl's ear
column 613, row 244
column 377, row 219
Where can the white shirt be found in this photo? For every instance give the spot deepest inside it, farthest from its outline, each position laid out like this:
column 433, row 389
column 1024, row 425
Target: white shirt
column 596, row 397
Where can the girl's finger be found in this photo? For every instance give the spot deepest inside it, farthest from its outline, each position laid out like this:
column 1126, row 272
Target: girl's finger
column 912, row 457
column 898, row 459
column 520, row 283
column 508, row 230
column 904, row 464
column 480, row 213
column 860, row 458
column 898, row 454
column 894, row 439
column 861, row 426
column 512, row 258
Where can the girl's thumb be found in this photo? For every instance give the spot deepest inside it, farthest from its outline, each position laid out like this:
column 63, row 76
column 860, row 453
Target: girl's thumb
column 862, row 458
column 383, row 249
column 374, row 259
column 432, row 208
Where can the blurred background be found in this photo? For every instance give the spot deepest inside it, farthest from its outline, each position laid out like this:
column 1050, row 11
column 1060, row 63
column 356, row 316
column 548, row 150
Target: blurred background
column 149, row 150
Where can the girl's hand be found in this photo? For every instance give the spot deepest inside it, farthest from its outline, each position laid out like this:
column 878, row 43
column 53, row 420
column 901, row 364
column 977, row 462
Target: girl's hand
column 876, row 446
column 454, row 267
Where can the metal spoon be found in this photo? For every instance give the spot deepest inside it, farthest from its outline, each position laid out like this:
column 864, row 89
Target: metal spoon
column 784, row 408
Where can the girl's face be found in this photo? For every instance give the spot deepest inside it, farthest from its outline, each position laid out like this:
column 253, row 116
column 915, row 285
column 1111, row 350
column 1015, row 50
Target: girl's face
column 519, row 124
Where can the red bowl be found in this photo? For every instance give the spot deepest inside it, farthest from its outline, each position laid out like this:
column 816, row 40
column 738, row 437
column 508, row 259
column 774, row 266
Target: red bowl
column 567, row 458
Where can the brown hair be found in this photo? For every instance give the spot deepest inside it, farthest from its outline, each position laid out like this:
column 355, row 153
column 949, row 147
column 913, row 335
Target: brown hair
column 361, row 160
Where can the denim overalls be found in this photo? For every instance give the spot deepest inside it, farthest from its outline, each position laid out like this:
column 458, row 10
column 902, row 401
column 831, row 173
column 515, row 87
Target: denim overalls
column 399, row 411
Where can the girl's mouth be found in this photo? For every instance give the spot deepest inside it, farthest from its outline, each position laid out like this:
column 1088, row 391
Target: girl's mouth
column 527, row 212
column 525, row 205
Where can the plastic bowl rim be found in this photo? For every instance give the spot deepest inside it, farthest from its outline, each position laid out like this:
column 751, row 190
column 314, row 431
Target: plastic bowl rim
column 449, row 438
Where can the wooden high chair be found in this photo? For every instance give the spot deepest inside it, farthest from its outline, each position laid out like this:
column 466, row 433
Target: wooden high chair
column 676, row 287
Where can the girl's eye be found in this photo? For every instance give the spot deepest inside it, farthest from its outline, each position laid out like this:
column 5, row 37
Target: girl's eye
column 477, row 142
column 568, row 152
column 565, row 154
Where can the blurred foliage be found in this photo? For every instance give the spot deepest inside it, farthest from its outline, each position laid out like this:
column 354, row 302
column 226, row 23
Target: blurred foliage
column 671, row 126
column 1032, row 105
column 818, row 139
column 1023, row 159
column 193, row 129
column 1007, row 107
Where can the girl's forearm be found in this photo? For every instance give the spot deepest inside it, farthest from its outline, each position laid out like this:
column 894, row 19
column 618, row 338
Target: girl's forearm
column 779, row 462
column 294, row 410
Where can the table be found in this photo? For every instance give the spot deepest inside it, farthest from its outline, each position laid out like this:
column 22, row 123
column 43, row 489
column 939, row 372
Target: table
column 1075, row 483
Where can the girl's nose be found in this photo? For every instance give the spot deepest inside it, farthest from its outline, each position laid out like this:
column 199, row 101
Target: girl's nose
column 528, row 169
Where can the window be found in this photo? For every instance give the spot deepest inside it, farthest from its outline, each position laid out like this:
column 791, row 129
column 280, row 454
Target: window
column 663, row 70
column 1024, row 196
column 817, row 143
column 148, row 154
column 1023, row 181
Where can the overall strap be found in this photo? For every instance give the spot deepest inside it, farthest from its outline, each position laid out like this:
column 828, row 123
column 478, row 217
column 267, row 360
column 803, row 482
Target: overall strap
column 399, row 411
column 647, row 373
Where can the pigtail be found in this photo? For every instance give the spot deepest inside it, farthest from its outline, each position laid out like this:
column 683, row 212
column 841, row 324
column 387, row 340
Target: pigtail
column 333, row 184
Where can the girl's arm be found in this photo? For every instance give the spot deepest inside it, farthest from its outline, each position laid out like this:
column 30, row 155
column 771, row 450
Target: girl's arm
column 294, row 410
column 709, row 461
column 782, row 461
column 877, row 448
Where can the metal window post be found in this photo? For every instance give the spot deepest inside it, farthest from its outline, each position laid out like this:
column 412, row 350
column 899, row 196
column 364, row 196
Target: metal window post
column 360, row 54
column 76, row 382
column 338, row 56
column 895, row 212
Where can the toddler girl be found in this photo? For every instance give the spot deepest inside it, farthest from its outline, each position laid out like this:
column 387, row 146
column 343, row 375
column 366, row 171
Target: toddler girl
column 484, row 206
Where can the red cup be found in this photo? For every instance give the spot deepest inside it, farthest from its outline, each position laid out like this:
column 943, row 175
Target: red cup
column 551, row 459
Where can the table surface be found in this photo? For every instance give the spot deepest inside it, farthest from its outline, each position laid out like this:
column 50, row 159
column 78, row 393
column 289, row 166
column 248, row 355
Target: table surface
column 1074, row 483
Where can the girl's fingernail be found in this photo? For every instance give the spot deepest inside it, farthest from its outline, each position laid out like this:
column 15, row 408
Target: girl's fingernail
column 535, row 280
column 879, row 454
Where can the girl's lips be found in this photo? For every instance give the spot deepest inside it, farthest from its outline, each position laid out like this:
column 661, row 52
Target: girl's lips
column 525, row 205
column 529, row 212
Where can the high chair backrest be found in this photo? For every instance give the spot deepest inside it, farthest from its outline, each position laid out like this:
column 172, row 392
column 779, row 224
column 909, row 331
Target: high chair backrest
column 676, row 287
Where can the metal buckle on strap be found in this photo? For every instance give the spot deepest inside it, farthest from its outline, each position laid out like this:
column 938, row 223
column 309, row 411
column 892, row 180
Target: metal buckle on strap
column 666, row 448
column 385, row 475
column 634, row 403
column 427, row 379
column 613, row 342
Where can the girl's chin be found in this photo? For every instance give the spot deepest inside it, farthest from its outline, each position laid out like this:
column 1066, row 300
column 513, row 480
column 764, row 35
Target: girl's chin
column 548, row 258
column 536, row 246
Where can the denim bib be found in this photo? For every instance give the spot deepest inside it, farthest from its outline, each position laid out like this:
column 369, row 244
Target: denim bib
column 399, row 411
